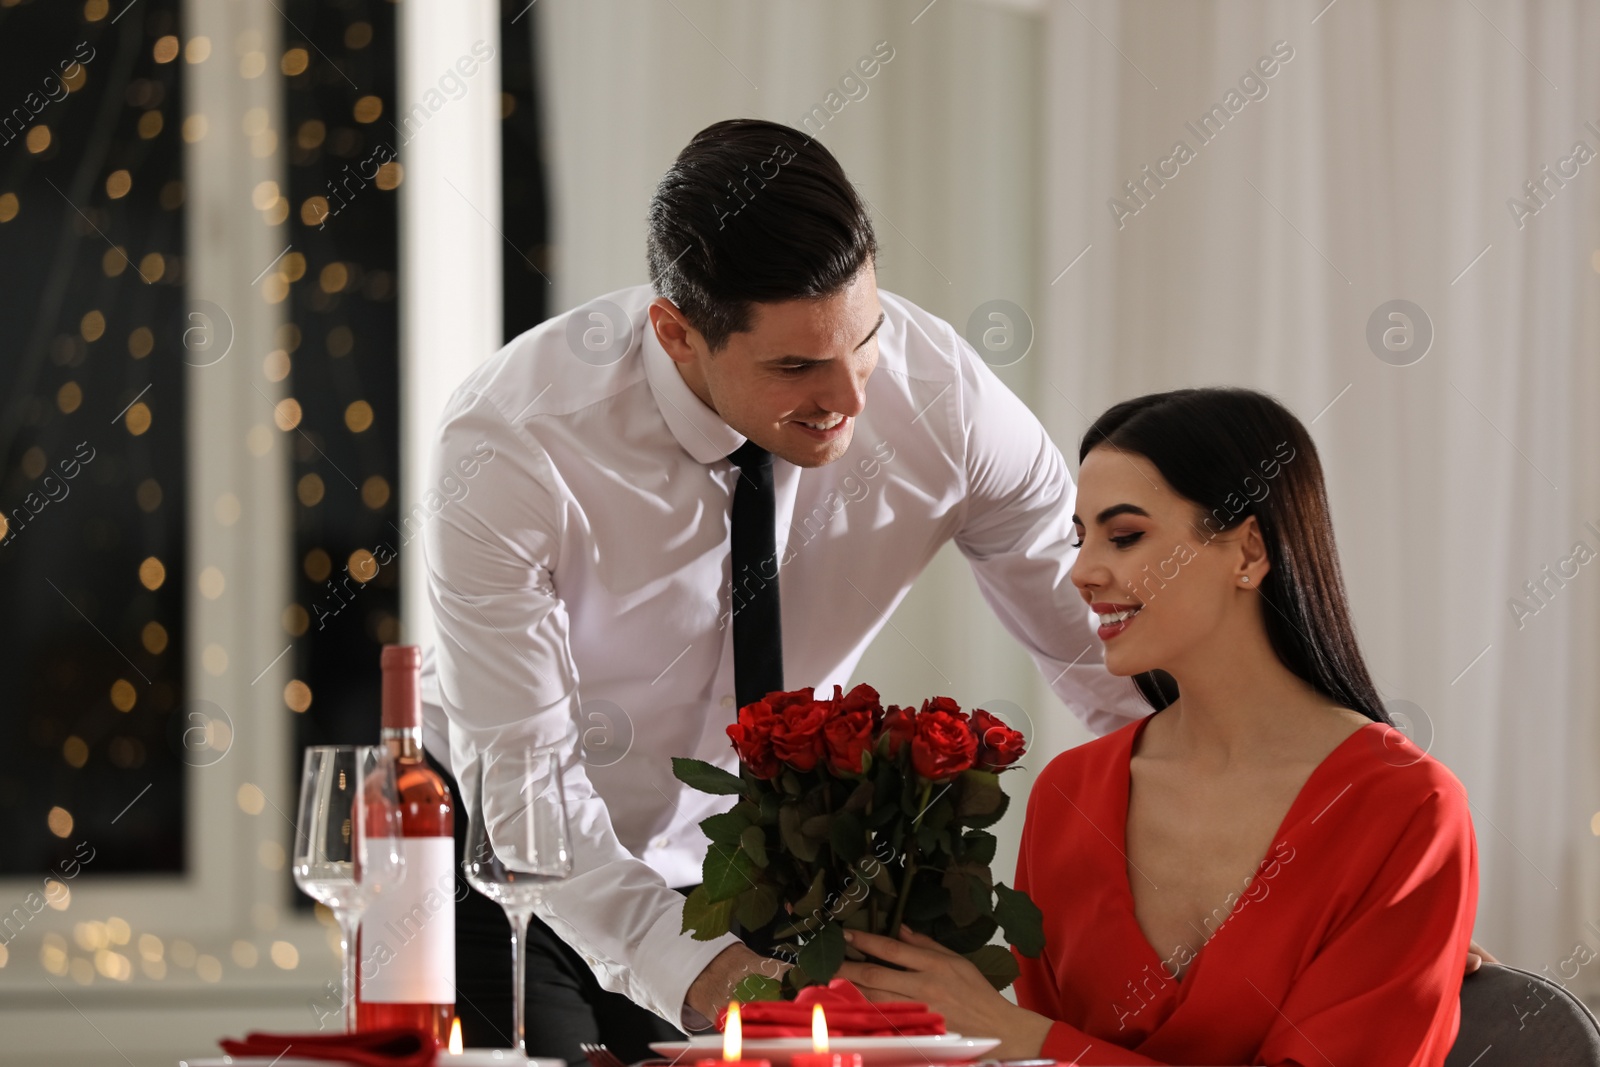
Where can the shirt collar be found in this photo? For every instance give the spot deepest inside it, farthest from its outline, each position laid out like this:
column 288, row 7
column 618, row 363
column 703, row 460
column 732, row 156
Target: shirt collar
column 700, row 431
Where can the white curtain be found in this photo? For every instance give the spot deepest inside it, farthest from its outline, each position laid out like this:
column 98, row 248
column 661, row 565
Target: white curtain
column 1376, row 167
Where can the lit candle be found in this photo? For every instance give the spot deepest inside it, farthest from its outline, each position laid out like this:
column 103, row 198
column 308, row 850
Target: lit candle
column 819, row 1055
column 733, row 1044
column 457, row 1056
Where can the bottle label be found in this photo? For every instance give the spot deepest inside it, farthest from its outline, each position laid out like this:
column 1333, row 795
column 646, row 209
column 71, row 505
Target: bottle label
column 408, row 934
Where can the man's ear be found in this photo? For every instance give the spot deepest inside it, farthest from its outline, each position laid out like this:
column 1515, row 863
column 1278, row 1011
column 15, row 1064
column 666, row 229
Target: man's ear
column 672, row 330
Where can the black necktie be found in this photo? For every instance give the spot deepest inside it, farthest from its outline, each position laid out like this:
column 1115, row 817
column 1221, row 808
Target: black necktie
column 757, row 626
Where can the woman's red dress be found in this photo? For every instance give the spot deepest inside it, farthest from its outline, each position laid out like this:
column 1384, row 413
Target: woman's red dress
column 1346, row 949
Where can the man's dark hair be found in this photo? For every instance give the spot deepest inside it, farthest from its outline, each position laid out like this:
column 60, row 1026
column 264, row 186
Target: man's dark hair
column 753, row 211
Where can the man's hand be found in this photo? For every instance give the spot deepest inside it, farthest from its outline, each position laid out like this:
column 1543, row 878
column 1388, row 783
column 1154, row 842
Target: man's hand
column 712, row 990
column 1477, row 956
column 949, row 984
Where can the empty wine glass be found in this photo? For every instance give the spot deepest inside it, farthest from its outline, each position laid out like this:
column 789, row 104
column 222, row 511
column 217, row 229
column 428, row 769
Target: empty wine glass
column 347, row 841
column 517, row 844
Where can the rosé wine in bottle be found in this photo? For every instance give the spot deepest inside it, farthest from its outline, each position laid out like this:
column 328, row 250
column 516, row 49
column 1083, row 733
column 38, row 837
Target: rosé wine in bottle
column 406, row 946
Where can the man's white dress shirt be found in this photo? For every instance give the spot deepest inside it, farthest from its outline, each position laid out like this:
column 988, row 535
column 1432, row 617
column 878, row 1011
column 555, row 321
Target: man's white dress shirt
column 581, row 587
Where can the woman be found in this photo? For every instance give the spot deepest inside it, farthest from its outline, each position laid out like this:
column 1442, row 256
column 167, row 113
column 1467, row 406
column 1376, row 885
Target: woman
column 1264, row 871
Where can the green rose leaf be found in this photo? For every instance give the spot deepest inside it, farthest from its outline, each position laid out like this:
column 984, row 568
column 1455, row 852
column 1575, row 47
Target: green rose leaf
column 754, row 842
column 963, row 939
column 727, row 873
column 978, row 847
column 968, row 886
column 1021, row 919
column 822, row 955
column 724, row 829
column 795, row 978
column 980, row 821
column 980, row 795
column 807, row 913
column 704, row 919
column 757, row 987
column 755, row 908
column 795, row 843
column 997, row 965
column 817, row 826
column 812, row 901
column 698, row 774
column 959, row 884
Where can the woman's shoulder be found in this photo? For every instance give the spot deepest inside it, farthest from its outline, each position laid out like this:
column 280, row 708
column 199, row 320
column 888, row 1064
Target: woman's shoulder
column 1390, row 775
column 1393, row 760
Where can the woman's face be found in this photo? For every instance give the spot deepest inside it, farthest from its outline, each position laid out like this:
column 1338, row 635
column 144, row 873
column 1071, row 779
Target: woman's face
column 1161, row 584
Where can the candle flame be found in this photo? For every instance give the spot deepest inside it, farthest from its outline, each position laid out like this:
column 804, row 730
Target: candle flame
column 732, row 1034
column 819, row 1029
column 455, row 1036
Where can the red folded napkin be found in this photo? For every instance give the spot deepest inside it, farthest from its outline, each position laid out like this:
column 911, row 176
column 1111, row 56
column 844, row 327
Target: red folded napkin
column 849, row 1012
column 397, row 1047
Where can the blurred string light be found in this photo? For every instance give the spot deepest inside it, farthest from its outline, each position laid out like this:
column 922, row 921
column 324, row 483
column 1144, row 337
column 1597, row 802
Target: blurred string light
column 332, row 371
column 105, row 543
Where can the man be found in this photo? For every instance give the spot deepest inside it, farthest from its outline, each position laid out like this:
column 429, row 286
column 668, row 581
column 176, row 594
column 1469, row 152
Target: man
column 584, row 591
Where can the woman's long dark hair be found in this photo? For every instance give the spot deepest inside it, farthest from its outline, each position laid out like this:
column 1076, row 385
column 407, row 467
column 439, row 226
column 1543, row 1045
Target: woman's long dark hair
column 1237, row 453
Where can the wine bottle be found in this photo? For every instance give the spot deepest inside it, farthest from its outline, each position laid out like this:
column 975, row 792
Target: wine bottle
column 406, row 947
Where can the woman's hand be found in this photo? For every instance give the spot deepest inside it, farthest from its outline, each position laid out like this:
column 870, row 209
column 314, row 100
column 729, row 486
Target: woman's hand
column 950, row 985
column 1477, row 956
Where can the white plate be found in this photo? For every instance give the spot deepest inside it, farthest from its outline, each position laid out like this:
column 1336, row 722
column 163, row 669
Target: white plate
column 875, row 1051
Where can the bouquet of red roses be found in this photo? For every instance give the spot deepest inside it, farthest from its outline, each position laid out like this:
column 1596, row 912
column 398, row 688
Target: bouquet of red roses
column 854, row 816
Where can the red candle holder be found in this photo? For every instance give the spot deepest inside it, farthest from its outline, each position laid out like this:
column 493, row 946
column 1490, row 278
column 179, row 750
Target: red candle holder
column 825, row 1059
column 819, row 1056
column 733, row 1044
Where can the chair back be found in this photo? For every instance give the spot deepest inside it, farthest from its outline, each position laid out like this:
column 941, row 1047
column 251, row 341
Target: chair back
column 1515, row 1018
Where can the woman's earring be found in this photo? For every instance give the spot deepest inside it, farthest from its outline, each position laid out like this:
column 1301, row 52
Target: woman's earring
column 1245, row 578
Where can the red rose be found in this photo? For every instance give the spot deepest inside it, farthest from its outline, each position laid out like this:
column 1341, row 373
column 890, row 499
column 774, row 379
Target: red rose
column 998, row 744
column 945, row 745
column 782, row 700
column 899, row 726
column 797, row 735
column 752, row 739
column 849, row 732
column 862, row 696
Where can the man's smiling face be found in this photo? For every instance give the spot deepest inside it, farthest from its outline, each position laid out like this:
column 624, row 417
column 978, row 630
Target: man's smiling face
column 796, row 380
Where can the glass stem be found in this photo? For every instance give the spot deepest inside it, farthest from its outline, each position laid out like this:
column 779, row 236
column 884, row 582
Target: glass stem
column 519, row 975
column 349, row 923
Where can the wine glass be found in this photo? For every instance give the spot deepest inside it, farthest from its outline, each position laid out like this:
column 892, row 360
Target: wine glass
column 347, row 841
column 517, row 843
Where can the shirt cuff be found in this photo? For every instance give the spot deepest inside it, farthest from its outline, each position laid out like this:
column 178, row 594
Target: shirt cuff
column 668, row 961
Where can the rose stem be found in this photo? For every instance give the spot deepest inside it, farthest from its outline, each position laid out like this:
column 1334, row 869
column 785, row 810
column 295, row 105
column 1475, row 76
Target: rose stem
column 911, row 862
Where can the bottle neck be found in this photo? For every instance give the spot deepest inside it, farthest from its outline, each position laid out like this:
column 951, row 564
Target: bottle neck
column 404, row 744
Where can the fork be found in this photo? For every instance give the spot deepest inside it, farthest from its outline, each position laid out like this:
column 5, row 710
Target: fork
column 600, row 1056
